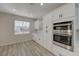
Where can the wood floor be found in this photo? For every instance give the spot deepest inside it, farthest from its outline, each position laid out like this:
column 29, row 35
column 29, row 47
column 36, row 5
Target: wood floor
column 29, row 48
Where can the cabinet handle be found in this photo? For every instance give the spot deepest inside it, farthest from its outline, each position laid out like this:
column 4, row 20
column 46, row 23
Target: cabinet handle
column 60, row 15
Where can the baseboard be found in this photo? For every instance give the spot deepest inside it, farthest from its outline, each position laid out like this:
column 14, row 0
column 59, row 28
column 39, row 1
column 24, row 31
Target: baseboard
column 10, row 43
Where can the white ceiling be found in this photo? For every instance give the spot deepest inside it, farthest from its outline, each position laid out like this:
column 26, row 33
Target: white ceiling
column 32, row 10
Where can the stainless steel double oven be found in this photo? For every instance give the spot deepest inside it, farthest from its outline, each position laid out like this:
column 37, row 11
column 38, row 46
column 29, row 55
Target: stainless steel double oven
column 63, row 34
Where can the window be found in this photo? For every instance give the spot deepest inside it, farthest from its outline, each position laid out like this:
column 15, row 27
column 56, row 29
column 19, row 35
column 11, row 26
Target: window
column 22, row 27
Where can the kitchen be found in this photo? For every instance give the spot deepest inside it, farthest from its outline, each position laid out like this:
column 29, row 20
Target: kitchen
column 57, row 31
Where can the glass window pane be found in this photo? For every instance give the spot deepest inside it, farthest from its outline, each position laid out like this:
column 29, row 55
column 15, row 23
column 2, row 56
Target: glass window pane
column 22, row 27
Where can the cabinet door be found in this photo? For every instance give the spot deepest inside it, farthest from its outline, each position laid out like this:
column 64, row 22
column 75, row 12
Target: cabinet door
column 47, row 33
column 77, row 16
column 67, row 10
column 55, row 14
column 44, row 32
column 49, row 36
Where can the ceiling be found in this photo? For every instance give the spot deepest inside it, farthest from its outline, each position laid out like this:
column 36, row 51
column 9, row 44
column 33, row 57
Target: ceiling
column 31, row 10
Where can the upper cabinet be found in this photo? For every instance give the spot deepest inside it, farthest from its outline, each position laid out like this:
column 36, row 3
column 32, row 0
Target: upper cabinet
column 55, row 14
column 65, row 11
column 38, row 25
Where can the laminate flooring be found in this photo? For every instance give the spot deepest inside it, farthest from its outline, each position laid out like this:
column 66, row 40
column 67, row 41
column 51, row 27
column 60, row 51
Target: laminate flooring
column 28, row 48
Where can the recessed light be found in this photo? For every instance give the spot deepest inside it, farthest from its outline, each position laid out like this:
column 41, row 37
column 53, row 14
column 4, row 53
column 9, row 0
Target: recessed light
column 14, row 9
column 41, row 4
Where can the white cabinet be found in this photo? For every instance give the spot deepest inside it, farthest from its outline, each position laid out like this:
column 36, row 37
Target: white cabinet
column 55, row 14
column 77, row 16
column 47, row 32
column 44, row 31
column 65, row 11
column 37, row 35
column 37, row 25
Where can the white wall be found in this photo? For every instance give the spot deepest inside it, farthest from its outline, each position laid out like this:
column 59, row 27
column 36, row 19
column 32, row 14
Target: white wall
column 7, row 35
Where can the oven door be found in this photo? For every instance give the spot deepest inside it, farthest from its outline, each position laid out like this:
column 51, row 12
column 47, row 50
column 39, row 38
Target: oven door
column 63, row 39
